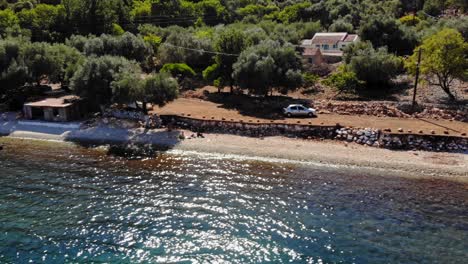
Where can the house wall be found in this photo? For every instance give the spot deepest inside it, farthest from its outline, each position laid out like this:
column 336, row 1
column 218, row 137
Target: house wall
column 313, row 60
column 27, row 111
column 62, row 114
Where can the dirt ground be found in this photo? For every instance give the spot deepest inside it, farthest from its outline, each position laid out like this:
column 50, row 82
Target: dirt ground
column 202, row 109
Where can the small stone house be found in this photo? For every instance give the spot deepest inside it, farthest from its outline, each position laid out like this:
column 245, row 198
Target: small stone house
column 63, row 109
column 312, row 56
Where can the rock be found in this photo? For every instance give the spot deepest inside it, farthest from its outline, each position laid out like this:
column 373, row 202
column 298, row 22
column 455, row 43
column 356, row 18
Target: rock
column 432, row 132
column 400, row 130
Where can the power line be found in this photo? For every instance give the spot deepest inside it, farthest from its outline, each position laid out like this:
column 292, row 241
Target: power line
column 202, row 50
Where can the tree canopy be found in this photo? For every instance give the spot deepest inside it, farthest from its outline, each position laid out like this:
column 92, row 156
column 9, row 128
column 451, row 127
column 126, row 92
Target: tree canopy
column 267, row 66
column 444, row 59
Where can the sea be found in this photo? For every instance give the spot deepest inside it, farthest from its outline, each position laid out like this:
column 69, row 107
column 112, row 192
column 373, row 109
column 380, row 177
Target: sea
column 64, row 203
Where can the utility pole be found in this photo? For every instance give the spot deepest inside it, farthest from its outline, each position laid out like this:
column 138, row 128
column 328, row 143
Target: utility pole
column 416, row 79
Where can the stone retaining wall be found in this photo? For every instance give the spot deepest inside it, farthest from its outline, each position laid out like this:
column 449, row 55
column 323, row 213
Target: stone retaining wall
column 364, row 136
column 250, row 129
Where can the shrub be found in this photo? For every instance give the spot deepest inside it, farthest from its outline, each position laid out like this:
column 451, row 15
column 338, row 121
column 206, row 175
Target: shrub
column 178, row 68
column 375, row 67
column 117, row 30
column 344, row 81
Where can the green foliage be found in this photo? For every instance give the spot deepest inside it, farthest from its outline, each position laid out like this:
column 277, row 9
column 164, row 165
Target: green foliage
column 310, row 79
column 444, row 58
column 257, row 10
column 127, row 45
column 8, row 19
column 24, row 62
column 95, row 16
column 268, row 65
column 178, row 68
column 291, row 13
column 184, row 48
column 153, row 41
column 434, row 7
column 341, row 25
column 386, row 32
column 344, row 81
column 232, row 42
column 159, row 89
column 98, row 78
column 141, row 9
column 211, row 73
column 376, row 67
column 117, row 30
column 13, row 71
column 410, row 20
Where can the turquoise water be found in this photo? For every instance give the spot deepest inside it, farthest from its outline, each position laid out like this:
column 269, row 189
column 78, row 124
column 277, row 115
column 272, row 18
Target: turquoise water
column 63, row 203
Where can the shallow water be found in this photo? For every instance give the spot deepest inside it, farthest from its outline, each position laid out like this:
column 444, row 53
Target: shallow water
column 62, row 203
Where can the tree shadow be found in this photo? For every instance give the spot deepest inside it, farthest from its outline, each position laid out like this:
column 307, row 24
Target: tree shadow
column 457, row 104
column 312, row 90
column 270, row 107
column 389, row 92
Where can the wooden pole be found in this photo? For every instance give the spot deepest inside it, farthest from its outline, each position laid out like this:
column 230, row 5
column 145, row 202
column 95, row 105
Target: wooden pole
column 417, row 78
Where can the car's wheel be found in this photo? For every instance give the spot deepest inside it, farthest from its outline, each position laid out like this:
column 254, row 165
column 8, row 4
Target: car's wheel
column 288, row 115
column 310, row 115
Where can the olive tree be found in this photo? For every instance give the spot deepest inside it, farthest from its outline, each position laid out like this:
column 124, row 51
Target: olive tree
column 375, row 67
column 444, row 59
column 96, row 78
column 266, row 66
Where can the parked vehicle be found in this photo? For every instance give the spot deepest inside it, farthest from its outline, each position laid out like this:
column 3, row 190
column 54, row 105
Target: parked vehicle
column 299, row 110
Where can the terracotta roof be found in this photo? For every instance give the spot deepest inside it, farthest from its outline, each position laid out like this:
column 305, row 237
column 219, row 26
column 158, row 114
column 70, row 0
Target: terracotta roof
column 350, row 38
column 328, row 38
column 311, row 51
column 61, row 102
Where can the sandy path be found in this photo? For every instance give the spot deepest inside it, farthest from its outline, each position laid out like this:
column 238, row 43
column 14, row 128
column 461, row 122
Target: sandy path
column 199, row 109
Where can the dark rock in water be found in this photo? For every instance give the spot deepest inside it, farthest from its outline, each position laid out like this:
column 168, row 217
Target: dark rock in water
column 132, row 151
column 1, row 147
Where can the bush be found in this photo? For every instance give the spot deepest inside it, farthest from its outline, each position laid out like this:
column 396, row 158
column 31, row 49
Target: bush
column 386, row 32
column 375, row 67
column 268, row 65
column 344, row 81
column 127, row 45
column 94, row 80
column 178, row 68
column 410, row 20
column 310, row 79
column 153, row 41
column 117, row 30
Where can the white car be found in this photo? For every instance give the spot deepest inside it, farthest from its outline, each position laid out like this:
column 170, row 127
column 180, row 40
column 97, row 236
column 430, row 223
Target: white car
column 299, row 110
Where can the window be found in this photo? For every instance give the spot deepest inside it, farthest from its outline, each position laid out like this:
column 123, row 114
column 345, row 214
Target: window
column 311, row 60
column 317, row 46
column 326, row 46
column 335, row 46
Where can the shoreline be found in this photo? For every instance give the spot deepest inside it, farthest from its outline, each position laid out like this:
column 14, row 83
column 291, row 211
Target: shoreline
column 413, row 164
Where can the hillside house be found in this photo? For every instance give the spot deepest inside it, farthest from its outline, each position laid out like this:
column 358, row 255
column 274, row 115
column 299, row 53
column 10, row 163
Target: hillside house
column 331, row 45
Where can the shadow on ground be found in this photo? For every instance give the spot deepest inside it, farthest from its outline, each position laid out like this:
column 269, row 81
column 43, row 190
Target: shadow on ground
column 270, row 107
